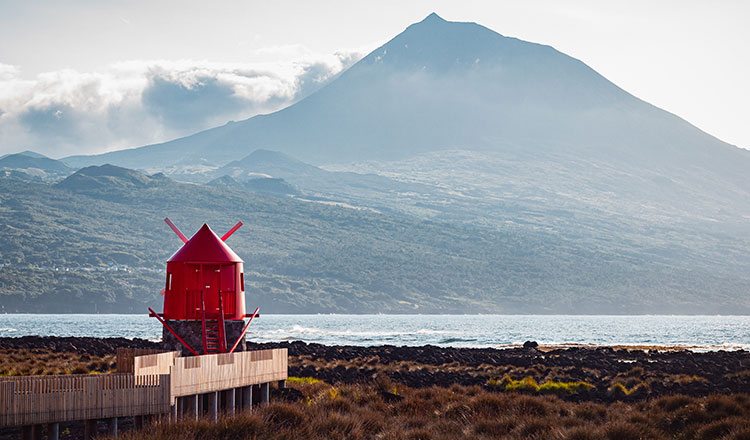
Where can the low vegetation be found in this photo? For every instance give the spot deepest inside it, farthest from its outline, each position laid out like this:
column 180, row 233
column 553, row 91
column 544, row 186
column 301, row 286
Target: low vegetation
column 385, row 410
column 528, row 384
column 534, row 401
column 19, row 362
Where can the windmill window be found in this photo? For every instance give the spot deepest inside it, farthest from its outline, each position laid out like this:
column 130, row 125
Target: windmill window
column 242, row 281
column 169, row 281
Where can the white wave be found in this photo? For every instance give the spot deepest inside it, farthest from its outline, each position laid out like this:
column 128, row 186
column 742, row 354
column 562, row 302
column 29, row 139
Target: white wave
column 314, row 331
column 701, row 348
column 8, row 329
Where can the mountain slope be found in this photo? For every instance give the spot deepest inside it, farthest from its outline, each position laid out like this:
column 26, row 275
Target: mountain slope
column 69, row 249
column 446, row 85
column 35, row 165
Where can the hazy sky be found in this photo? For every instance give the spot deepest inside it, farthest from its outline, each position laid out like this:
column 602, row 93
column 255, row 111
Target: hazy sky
column 90, row 76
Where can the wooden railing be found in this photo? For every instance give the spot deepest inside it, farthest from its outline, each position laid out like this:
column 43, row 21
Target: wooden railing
column 207, row 373
column 45, row 399
column 152, row 387
column 126, row 357
column 160, row 363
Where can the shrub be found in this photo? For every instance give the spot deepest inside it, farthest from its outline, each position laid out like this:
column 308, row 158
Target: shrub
column 531, row 406
column 528, row 384
column 565, row 388
column 619, row 390
column 488, row 405
column 671, row 403
column 716, row 430
column 305, row 380
column 337, row 425
column 635, row 372
column 743, row 434
column 590, row 412
column 494, row 428
column 79, row 370
column 623, row 431
column 284, row 414
column 419, row 434
column 583, row 433
column 534, row 428
column 719, row 406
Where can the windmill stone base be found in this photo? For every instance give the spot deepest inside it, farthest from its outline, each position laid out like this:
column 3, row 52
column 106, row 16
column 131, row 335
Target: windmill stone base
column 192, row 333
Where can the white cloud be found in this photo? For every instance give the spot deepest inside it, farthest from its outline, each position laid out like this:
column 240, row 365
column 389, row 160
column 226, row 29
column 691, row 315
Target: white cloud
column 137, row 102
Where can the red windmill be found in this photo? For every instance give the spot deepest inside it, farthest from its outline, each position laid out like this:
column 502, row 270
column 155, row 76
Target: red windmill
column 204, row 295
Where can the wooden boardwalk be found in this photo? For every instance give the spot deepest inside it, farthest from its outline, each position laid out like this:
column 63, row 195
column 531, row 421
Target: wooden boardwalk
column 153, row 385
column 31, row 400
column 214, row 372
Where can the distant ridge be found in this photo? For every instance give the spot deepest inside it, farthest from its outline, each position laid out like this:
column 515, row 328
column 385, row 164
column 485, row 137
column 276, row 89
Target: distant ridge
column 110, row 181
column 28, row 153
column 23, row 160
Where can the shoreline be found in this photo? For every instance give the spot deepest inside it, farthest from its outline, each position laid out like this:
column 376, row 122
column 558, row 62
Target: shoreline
column 36, row 341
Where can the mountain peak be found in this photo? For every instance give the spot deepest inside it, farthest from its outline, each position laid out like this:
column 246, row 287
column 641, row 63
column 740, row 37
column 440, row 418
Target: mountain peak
column 433, row 18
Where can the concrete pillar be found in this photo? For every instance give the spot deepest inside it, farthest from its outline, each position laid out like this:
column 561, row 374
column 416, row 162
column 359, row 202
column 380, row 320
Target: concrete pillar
column 282, row 384
column 213, row 405
column 265, row 392
column 138, row 423
column 247, row 398
column 53, row 431
column 230, row 402
column 112, row 426
column 89, row 429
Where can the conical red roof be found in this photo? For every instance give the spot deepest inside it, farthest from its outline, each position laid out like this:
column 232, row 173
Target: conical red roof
column 205, row 246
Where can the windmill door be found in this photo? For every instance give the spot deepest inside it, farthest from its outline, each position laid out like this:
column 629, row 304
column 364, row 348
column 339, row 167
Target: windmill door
column 210, row 285
column 228, row 289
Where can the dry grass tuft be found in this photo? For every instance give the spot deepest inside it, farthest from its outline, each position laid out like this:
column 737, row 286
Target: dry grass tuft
column 25, row 362
column 358, row 412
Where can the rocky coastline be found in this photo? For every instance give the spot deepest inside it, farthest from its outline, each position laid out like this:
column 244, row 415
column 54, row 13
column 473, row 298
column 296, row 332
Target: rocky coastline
column 641, row 374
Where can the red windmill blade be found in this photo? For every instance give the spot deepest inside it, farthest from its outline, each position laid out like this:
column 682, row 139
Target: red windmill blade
column 176, row 230
column 231, row 231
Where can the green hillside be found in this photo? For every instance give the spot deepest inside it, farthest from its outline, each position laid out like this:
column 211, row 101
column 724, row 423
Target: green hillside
column 96, row 242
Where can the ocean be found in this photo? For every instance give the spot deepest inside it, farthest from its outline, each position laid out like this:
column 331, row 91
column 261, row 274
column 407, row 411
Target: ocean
column 693, row 332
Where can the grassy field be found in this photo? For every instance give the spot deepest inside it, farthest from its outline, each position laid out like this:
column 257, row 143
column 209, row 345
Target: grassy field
column 22, row 362
column 512, row 404
column 382, row 409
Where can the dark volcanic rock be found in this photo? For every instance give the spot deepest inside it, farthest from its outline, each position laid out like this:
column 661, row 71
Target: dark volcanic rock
column 92, row 346
column 664, row 372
